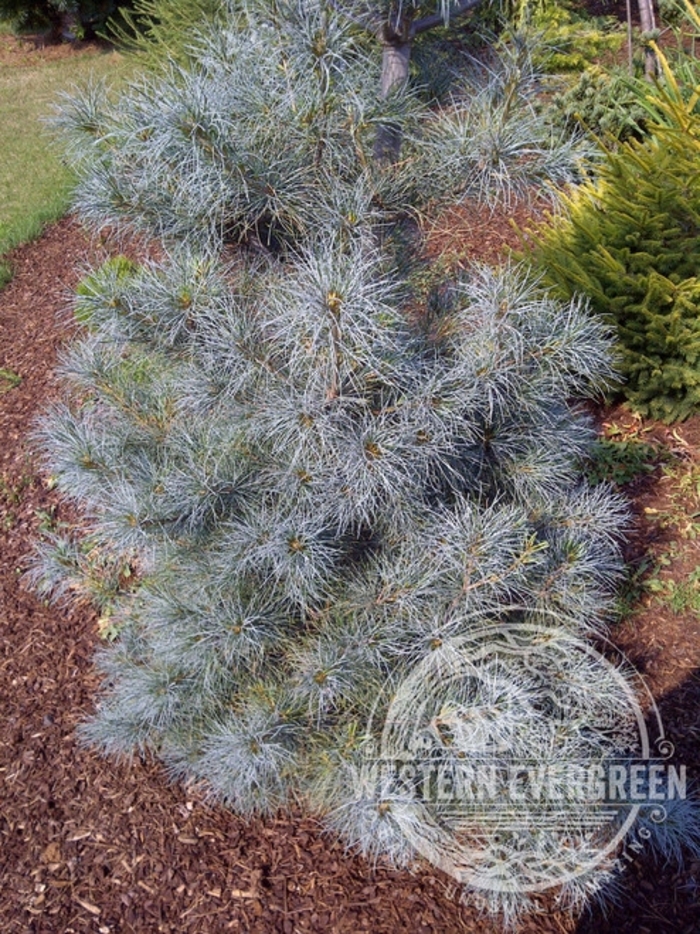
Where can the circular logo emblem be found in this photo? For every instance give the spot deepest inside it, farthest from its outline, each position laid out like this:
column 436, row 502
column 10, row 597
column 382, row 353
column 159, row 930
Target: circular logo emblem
column 520, row 755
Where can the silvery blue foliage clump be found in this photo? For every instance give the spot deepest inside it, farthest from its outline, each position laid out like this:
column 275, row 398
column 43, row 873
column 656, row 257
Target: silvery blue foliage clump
column 267, row 136
column 272, row 135
column 294, row 496
column 493, row 140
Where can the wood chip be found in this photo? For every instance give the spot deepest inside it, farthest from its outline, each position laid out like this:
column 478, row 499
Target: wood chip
column 88, row 906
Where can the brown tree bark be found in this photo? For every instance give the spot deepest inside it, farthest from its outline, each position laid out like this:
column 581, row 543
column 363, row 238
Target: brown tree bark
column 396, row 37
column 647, row 20
column 396, row 56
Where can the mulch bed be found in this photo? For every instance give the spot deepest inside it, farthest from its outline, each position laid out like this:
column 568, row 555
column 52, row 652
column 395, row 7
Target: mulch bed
column 33, row 49
column 93, row 845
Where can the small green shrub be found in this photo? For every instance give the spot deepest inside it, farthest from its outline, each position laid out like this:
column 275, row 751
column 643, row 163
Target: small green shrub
column 612, row 103
column 570, row 40
column 672, row 12
column 8, row 379
column 604, row 103
column 620, row 462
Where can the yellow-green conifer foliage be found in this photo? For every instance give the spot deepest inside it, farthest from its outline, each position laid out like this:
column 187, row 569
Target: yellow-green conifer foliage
column 629, row 240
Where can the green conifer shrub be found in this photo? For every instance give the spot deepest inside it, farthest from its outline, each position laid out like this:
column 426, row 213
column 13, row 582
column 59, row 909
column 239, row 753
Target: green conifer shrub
column 629, row 240
column 298, row 499
column 161, row 31
column 570, row 39
column 603, row 102
column 611, row 103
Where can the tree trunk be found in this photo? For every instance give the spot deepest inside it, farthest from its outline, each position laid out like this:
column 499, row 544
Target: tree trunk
column 64, row 26
column 648, row 24
column 630, row 38
column 395, row 36
column 396, row 55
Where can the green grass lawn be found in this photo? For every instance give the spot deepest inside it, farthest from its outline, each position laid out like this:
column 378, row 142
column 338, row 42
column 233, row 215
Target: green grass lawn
column 35, row 185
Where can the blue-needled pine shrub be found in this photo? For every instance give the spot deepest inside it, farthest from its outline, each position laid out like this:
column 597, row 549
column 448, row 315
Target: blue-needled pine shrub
column 270, row 136
column 297, row 499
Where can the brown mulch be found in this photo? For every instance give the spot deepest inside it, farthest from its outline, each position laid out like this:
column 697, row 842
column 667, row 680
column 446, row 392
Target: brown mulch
column 33, row 49
column 92, row 845
column 461, row 234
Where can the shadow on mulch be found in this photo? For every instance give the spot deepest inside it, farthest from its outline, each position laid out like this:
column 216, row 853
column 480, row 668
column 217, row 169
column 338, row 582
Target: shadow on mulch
column 652, row 897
